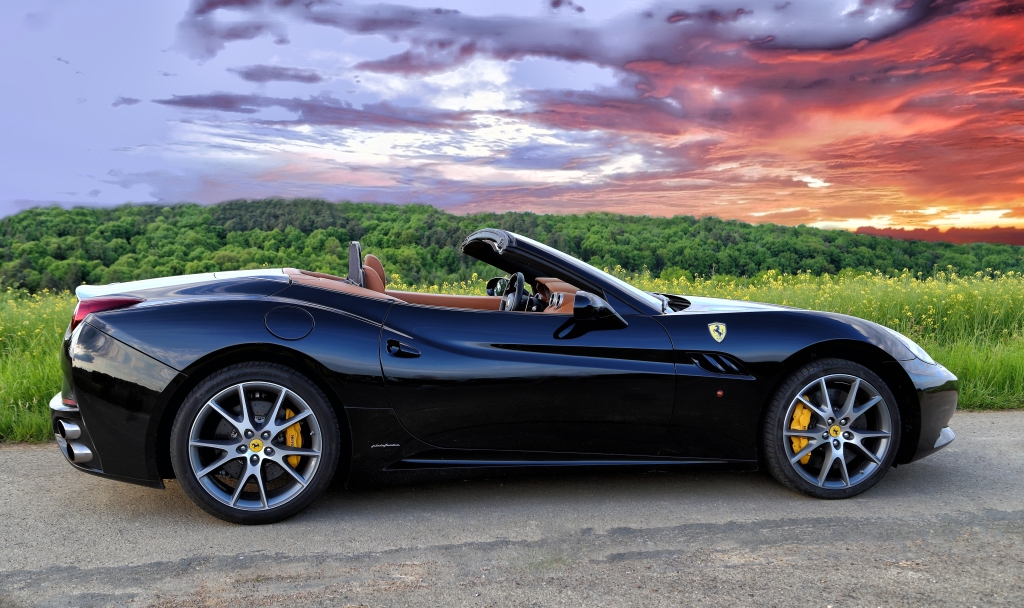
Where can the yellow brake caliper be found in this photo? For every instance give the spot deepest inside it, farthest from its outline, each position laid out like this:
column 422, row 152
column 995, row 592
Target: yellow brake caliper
column 293, row 438
column 801, row 418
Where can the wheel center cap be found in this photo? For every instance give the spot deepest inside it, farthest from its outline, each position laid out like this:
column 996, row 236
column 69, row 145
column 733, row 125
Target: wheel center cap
column 256, row 445
column 834, row 430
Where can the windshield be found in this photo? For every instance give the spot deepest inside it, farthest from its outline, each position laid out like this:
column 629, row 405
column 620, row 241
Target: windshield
column 572, row 262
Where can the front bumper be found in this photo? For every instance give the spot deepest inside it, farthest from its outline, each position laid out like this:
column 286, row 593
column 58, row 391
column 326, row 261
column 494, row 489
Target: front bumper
column 937, row 393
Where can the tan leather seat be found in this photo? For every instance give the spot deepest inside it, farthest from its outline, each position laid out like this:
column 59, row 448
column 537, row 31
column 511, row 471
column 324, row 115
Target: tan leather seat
column 374, row 262
column 372, row 279
column 446, row 300
column 328, row 281
column 375, row 278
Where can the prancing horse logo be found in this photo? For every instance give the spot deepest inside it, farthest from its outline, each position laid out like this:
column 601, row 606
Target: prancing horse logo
column 717, row 331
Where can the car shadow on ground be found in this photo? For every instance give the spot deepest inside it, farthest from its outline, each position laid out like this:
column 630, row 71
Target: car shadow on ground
column 614, row 493
column 611, row 491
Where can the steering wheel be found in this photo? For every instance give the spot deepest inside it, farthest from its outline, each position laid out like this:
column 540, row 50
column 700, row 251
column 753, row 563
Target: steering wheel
column 513, row 297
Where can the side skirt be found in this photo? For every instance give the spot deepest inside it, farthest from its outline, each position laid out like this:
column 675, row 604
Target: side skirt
column 384, row 452
column 448, row 459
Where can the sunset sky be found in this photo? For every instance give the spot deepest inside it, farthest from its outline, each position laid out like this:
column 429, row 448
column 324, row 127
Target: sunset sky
column 837, row 114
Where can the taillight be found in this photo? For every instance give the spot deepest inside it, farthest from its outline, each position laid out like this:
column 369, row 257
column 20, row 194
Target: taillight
column 91, row 305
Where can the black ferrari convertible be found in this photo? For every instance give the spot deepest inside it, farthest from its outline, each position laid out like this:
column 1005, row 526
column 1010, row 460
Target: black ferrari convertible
column 255, row 388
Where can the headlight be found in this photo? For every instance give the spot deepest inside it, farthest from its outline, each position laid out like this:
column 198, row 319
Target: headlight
column 912, row 346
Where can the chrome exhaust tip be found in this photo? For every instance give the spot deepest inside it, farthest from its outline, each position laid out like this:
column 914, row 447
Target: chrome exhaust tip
column 78, row 453
column 68, row 429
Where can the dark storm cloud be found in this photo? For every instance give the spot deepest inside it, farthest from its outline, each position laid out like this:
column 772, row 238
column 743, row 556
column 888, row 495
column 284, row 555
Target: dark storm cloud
column 439, row 39
column 435, row 57
column 568, row 4
column 323, row 110
column 270, row 73
column 202, row 7
column 222, row 102
column 203, row 36
column 611, row 111
column 1010, row 9
column 125, row 101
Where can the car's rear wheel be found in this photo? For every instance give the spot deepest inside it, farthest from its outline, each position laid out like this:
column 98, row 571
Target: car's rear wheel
column 832, row 430
column 255, row 443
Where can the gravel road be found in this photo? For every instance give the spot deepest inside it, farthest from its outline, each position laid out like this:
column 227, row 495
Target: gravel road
column 948, row 530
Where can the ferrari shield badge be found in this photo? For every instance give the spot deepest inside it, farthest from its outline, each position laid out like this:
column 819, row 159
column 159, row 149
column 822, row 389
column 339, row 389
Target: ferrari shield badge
column 717, row 331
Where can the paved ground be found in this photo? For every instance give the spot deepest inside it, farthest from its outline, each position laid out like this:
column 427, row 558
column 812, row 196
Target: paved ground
column 948, row 530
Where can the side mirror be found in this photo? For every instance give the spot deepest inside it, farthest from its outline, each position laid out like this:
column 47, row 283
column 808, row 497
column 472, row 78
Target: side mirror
column 590, row 308
column 496, row 286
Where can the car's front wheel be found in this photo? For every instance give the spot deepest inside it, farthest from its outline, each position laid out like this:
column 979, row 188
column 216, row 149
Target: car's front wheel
column 832, row 430
column 255, row 443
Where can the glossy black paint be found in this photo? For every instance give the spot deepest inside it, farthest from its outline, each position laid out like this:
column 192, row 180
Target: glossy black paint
column 117, row 389
column 770, row 342
column 433, row 391
column 289, row 322
column 936, row 390
column 497, row 380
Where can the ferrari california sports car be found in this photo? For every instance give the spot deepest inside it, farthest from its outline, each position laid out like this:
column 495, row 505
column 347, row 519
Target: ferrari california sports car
column 255, row 388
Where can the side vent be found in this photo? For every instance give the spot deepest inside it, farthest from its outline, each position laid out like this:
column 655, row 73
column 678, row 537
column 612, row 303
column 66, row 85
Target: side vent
column 718, row 364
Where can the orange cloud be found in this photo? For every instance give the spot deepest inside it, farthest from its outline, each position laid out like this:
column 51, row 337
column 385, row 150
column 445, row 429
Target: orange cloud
column 765, row 112
column 929, row 118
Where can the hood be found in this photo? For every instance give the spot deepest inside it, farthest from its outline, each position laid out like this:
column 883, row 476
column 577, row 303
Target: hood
column 721, row 305
column 763, row 324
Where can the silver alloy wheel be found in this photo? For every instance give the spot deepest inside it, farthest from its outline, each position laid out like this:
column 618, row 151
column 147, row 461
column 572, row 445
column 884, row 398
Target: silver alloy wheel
column 847, row 442
column 238, row 446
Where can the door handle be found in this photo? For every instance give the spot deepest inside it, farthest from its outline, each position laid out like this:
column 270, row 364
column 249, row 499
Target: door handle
column 397, row 349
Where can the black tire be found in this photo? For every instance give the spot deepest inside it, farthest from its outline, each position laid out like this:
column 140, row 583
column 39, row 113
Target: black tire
column 867, row 440
column 271, row 477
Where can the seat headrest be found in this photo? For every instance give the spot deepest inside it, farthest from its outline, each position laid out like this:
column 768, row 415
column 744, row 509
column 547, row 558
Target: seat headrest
column 373, row 262
column 373, row 280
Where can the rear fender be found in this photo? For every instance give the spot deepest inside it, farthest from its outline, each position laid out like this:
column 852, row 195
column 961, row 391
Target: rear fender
column 294, row 359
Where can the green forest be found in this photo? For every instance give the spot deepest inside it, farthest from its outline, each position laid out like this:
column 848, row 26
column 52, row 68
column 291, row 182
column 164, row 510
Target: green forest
column 56, row 249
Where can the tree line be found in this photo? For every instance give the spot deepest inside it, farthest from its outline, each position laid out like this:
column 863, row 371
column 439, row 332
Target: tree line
column 57, row 248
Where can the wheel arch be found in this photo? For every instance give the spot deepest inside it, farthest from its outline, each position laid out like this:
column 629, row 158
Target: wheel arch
column 246, row 353
column 873, row 358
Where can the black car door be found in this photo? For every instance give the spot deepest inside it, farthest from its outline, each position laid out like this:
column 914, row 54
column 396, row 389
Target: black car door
column 494, row 380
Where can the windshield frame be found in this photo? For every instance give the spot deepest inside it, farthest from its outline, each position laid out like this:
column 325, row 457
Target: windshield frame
column 651, row 302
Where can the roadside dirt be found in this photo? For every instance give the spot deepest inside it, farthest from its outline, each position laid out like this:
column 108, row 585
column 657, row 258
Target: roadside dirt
column 948, row 530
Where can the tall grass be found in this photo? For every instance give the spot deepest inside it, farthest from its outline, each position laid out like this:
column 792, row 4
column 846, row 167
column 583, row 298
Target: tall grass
column 31, row 328
column 974, row 325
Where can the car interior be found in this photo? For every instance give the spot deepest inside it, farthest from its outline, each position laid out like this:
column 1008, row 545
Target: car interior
column 367, row 278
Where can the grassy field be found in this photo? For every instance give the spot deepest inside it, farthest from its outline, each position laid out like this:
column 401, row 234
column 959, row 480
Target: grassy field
column 31, row 328
column 974, row 325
